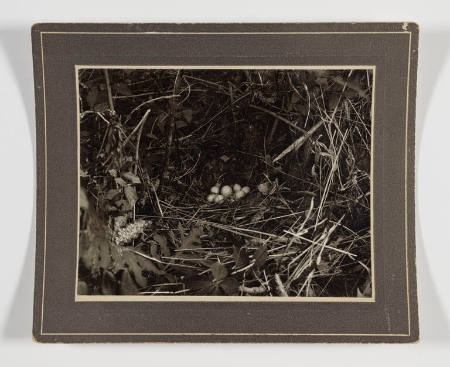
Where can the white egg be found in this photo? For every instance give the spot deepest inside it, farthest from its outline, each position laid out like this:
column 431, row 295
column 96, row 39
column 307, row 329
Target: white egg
column 215, row 189
column 237, row 187
column 246, row 189
column 211, row 197
column 218, row 199
column 264, row 188
column 226, row 191
column 240, row 194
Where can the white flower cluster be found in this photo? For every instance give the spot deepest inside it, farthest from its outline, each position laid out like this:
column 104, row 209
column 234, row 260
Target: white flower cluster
column 220, row 194
column 131, row 231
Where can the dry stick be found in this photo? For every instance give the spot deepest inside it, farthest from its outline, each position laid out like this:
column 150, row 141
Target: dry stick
column 309, row 102
column 362, row 93
column 306, row 284
column 280, row 286
column 325, row 240
column 298, row 93
column 156, row 260
column 301, row 229
column 281, row 118
column 272, row 131
column 141, row 123
column 349, row 254
column 299, row 142
column 173, row 107
column 157, row 200
column 331, row 119
column 213, row 118
column 147, row 102
column 108, row 88
column 144, row 118
column 329, row 180
column 252, row 290
column 233, row 111
column 274, row 128
column 103, row 140
column 134, row 95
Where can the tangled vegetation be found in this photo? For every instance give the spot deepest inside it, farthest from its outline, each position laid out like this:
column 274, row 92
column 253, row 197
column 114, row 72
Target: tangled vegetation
column 165, row 157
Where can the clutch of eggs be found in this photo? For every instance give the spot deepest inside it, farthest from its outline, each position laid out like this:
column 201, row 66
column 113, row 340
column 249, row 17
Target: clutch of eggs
column 220, row 194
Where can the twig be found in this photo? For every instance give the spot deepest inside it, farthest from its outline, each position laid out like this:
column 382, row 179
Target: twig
column 309, row 103
column 252, row 290
column 214, row 117
column 143, row 119
column 233, row 111
column 274, row 128
column 280, row 286
column 349, row 254
column 157, row 200
column 108, row 88
column 345, row 83
column 147, row 102
column 307, row 283
column 299, row 142
column 173, row 106
column 141, row 123
column 281, row 118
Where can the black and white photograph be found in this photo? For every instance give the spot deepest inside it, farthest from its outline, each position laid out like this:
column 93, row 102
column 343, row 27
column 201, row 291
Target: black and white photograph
column 222, row 182
column 245, row 182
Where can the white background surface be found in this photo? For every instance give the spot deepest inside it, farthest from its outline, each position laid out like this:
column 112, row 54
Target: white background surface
column 17, row 180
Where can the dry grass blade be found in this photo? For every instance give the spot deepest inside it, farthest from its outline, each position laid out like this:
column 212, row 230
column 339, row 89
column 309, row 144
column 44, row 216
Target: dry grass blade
column 299, row 142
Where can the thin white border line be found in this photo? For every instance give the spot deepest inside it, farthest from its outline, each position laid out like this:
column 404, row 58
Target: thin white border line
column 226, row 33
column 229, row 334
column 222, row 299
column 45, row 191
column 45, row 185
column 231, row 67
column 406, row 184
column 372, row 220
column 78, row 180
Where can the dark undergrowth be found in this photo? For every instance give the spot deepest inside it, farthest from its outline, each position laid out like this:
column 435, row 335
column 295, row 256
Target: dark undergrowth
column 165, row 157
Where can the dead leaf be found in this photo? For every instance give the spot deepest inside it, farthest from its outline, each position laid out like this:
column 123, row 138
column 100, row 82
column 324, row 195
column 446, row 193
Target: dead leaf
column 127, row 285
column 131, row 195
column 187, row 114
column 229, row 286
column 123, row 205
column 91, row 97
column 260, row 256
column 111, row 194
column 101, row 107
column 120, row 181
column 219, row 271
column 162, row 242
column 136, row 264
column 241, row 258
column 123, row 89
column 108, row 283
column 113, row 172
column 131, row 177
column 187, row 242
column 82, row 288
column 180, row 124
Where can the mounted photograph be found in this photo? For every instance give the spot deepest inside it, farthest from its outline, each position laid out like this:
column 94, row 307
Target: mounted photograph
column 233, row 182
column 225, row 183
